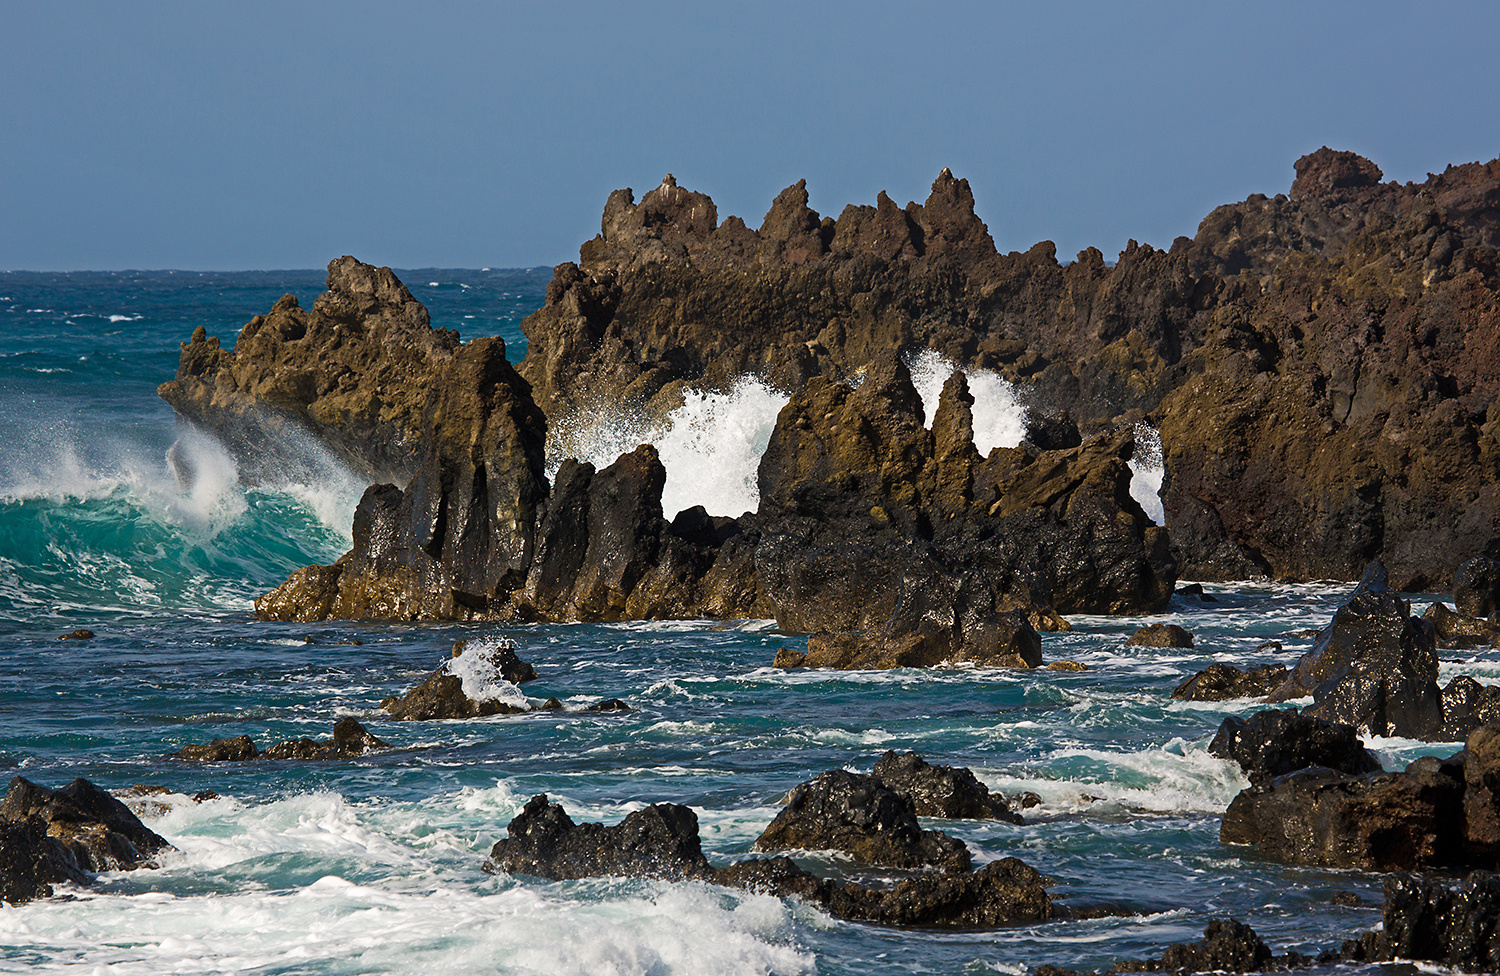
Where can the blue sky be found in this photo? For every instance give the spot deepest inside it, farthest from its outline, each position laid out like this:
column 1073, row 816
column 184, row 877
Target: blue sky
column 211, row 135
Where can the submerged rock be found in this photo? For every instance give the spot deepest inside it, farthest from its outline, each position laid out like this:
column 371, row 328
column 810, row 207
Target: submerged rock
column 1161, row 635
column 48, row 837
column 1273, row 743
column 1222, row 682
column 350, row 740
column 237, row 749
column 941, row 791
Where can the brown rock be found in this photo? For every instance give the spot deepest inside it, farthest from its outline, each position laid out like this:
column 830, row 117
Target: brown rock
column 1160, row 635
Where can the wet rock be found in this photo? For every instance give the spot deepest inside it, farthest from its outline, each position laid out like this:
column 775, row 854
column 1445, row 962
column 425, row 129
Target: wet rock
column 788, row 658
column 660, row 841
column 1228, row 946
column 1482, row 790
column 609, row 705
column 442, row 695
column 1457, row 630
column 350, row 740
column 859, row 815
column 1222, row 682
column 51, row 836
column 81, row 634
column 941, row 791
column 501, row 656
column 1467, row 705
column 1459, row 927
column 1476, row 587
column 1375, row 822
column 1004, row 640
column 1195, row 590
column 1374, row 667
column 1273, row 743
column 1161, row 635
column 237, row 749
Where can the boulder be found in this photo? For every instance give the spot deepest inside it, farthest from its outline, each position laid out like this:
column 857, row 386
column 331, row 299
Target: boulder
column 1476, row 587
column 659, row 841
column 1374, row 667
column 67, row 835
column 1458, row 927
column 1228, row 946
column 941, row 791
column 859, row 815
column 1161, row 635
column 237, row 749
column 350, row 740
column 1273, row 743
column 1222, row 682
column 1455, row 630
column 1374, row 822
column 1467, row 705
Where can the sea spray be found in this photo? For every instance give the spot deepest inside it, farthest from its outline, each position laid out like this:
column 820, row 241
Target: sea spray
column 999, row 417
column 710, row 445
column 1146, row 470
column 478, row 670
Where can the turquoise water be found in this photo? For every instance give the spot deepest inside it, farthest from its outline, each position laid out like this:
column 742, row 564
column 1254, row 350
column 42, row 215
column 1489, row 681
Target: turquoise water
column 373, row 865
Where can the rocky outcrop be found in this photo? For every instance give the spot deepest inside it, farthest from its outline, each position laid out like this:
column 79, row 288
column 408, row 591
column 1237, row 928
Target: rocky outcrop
column 941, row 791
column 1455, row 630
column 1273, row 743
column 1221, row 682
column 861, row 816
column 1374, row 667
column 1457, row 927
column 661, row 841
column 49, row 837
column 350, row 740
column 1476, row 587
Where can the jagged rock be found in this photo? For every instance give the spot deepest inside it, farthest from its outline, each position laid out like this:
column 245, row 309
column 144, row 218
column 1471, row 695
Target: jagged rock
column 442, row 696
column 1228, row 946
column 1375, row 822
column 1374, row 667
column 1221, row 682
column 1467, row 705
column 1426, row 920
column 51, row 836
column 1274, row 743
column 857, row 814
column 660, row 841
column 1161, row 635
column 81, row 634
column 941, row 791
column 1476, row 587
column 350, row 739
column 238, row 749
column 1456, row 630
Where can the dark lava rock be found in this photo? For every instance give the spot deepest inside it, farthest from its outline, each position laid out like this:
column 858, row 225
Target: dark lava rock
column 350, row 740
column 1273, row 743
column 52, row 836
column 1196, row 591
column 1222, row 682
column 1476, row 587
column 1228, row 946
column 1468, row 705
column 1457, row 630
column 1374, row 667
column 442, row 696
column 660, row 841
column 81, row 634
column 1429, row 921
column 609, row 705
column 238, row 749
column 859, row 815
column 941, row 791
column 1161, row 635
column 1375, row 822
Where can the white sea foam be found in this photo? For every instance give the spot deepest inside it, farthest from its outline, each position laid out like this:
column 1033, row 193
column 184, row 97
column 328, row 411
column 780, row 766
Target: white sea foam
column 478, row 671
column 1179, row 777
column 1146, row 470
column 710, row 446
column 999, row 417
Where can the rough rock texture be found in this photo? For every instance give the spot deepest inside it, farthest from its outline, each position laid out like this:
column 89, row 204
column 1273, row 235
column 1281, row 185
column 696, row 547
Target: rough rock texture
column 240, row 748
column 1476, row 587
column 442, row 696
column 1458, row 927
column 1221, row 682
column 859, row 815
column 1274, row 743
column 68, row 834
column 353, row 373
column 1374, row 667
column 350, row 740
column 660, row 841
column 941, row 791
column 1161, row 635
column 1455, row 630
column 1228, row 946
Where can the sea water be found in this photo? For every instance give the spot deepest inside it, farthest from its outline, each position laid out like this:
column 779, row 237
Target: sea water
column 375, row 865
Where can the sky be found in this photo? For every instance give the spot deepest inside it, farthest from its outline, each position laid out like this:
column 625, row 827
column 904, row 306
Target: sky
column 228, row 136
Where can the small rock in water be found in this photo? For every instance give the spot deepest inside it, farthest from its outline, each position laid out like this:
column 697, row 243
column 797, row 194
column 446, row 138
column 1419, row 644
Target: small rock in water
column 1196, row 590
column 941, row 791
column 1274, row 743
column 789, row 657
column 609, row 705
column 79, row 634
column 1222, row 682
column 238, row 749
column 1161, row 635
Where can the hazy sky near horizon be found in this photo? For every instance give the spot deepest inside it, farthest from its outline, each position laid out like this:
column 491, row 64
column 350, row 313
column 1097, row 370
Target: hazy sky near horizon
column 221, row 136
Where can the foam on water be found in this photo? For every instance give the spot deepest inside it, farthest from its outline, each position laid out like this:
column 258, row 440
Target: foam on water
column 999, row 417
column 478, row 671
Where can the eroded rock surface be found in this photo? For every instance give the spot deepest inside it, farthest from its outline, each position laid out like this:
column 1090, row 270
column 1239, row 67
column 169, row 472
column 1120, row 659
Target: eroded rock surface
column 941, row 791
column 1221, row 682
column 1274, row 743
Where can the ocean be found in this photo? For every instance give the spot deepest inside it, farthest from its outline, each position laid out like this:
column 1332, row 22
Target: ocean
column 373, row 865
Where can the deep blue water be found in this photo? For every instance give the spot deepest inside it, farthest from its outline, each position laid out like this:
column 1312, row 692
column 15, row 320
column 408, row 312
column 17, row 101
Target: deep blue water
column 374, row 865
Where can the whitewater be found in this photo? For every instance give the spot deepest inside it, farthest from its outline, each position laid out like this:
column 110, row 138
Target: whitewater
column 373, row 865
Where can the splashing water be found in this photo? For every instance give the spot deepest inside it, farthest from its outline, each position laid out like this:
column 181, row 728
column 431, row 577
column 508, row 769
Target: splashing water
column 710, row 446
column 999, row 417
column 1146, row 470
column 478, row 670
